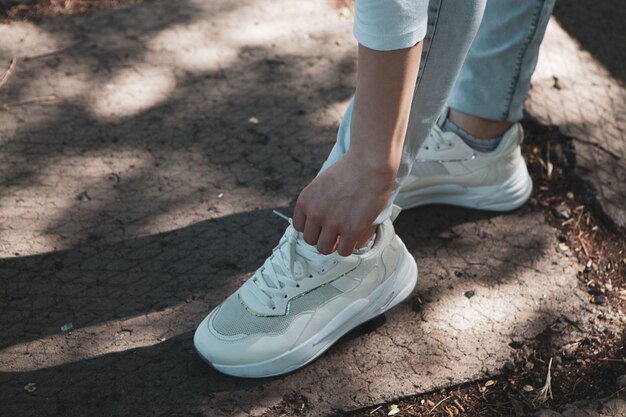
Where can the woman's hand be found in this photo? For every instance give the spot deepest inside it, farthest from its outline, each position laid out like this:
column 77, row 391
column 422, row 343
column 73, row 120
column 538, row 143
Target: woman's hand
column 337, row 209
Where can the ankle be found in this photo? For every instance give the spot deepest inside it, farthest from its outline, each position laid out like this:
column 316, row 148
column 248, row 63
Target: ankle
column 478, row 127
column 481, row 145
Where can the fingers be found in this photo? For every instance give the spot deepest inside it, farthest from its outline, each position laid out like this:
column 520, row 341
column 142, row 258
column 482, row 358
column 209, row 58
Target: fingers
column 299, row 219
column 311, row 232
column 347, row 242
column 327, row 240
column 326, row 236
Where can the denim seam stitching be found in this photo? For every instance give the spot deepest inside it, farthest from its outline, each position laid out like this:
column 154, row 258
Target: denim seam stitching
column 430, row 43
column 520, row 59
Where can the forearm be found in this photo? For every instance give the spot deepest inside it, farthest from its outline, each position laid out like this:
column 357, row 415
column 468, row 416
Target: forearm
column 385, row 85
column 344, row 200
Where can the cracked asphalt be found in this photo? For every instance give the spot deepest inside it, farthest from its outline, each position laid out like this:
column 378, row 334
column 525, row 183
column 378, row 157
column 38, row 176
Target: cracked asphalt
column 137, row 193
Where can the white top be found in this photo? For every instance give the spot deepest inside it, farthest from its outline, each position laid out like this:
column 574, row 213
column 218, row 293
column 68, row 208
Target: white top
column 385, row 25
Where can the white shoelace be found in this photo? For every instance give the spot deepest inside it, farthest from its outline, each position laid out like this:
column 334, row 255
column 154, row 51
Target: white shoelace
column 289, row 263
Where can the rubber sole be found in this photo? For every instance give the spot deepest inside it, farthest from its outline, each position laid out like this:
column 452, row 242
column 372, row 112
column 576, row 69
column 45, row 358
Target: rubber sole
column 507, row 196
column 388, row 294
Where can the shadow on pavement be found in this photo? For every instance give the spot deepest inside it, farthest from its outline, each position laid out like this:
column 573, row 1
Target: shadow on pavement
column 133, row 293
column 134, row 305
column 599, row 28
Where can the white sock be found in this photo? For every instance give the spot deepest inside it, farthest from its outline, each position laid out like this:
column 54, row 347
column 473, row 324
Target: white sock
column 366, row 248
column 481, row 145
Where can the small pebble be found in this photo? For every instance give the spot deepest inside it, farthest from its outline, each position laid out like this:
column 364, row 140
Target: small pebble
column 562, row 211
column 83, row 196
column 508, row 367
column 469, row 294
column 599, row 299
column 416, row 306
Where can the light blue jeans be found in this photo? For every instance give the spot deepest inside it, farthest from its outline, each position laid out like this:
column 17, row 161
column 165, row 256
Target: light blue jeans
column 478, row 57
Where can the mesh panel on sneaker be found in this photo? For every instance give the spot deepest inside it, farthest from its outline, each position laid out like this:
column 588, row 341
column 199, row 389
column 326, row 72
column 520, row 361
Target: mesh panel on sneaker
column 233, row 318
column 423, row 169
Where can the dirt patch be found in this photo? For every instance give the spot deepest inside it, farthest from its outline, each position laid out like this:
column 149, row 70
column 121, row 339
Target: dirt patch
column 38, row 10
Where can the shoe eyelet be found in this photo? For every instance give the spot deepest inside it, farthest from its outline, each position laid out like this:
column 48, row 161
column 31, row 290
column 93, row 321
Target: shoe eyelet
column 285, row 296
column 426, row 148
column 273, row 308
column 310, row 276
column 297, row 285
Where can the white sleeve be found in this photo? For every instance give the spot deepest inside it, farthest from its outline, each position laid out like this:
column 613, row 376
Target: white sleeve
column 385, row 25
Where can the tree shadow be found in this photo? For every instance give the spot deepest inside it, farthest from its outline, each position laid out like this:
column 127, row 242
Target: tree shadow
column 132, row 292
column 204, row 121
column 599, row 28
column 134, row 304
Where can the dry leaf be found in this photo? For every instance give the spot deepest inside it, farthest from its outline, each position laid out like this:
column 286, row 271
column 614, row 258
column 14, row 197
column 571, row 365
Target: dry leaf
column 344, row 13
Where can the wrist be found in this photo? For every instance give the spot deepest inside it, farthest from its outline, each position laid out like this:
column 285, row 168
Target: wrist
column 380, row 165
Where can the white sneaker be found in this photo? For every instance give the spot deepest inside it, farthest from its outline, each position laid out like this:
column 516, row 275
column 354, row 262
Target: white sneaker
column 301, row 302
column 448, row 171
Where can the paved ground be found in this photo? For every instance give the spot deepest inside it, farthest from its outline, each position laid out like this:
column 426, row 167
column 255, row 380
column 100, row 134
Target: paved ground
column 137, row 194
column 579, row 86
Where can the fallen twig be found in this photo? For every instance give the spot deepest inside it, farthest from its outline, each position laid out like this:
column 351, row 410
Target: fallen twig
column 459, row 405
column 44, row 99
column 49, row 53
column 13, row 64
column 613, row 360
column 582, row 244
column 9, row 72
column 438, row 404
